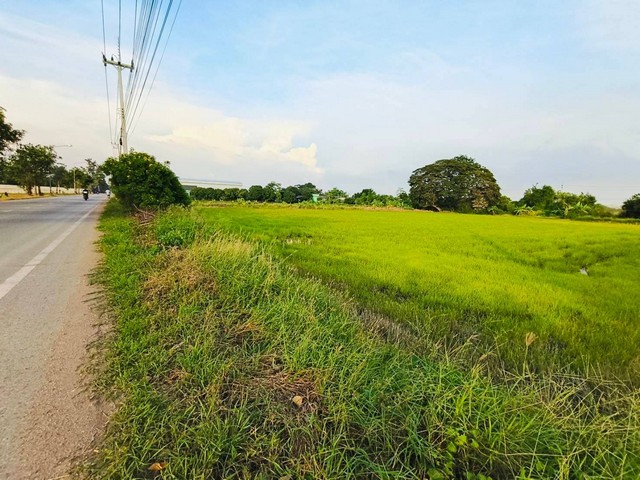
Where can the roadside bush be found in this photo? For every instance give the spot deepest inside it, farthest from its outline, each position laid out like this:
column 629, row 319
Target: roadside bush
column 138, row 180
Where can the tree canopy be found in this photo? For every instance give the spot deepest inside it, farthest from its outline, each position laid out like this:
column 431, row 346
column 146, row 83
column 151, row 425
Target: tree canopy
column 8, row 134
column 458, row 184
column 138, row 180
column 631, row 207
column 30, row 165
column 545, row 200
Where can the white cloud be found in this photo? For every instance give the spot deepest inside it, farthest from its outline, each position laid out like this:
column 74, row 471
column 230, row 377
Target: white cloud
column 228, row 140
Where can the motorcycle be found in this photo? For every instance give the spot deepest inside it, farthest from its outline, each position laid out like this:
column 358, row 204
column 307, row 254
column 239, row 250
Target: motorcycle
column 85, row 194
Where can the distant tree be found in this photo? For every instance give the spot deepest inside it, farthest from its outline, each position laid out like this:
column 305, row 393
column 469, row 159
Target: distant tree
column 548, row 201
column 208, row 193
column 272, row 192
column 197, row 193
column 403, row 198
column 566, row 204
column 59, row 173
column 230, row 194
column 365, row 197
column 291, row 194
column 216, row 194
column 504, row 205
column 631, row 207
column 138, row 180
column 539, row 198
column 82, row 178
column 306, row 191
column 95, row 177
column 30, row 165
column 335, row 195
column 459, row 184
column 255, row 193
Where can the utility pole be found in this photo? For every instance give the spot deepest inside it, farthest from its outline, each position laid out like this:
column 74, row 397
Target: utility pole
column 123, row 146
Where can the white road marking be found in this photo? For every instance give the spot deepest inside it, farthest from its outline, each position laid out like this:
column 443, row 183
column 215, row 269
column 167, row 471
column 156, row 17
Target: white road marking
column 16, row 278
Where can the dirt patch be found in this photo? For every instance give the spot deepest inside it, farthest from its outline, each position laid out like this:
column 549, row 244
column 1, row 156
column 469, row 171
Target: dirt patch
column 274, row 383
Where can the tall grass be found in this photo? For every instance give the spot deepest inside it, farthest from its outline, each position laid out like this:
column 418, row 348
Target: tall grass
column 489, row 279
column 226, row 363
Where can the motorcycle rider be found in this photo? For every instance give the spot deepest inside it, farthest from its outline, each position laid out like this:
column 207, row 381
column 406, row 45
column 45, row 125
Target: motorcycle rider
column 85, row 194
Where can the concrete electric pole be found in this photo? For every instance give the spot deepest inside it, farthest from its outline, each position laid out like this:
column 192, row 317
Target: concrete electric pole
column 123, row 146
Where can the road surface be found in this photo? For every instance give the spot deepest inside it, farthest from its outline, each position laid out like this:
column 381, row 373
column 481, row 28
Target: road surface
column 46, row 416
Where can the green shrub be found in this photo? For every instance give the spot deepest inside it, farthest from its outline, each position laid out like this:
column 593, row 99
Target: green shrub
column 138, row 180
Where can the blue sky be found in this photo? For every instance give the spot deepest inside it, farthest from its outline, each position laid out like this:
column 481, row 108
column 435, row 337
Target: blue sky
column 352, row 94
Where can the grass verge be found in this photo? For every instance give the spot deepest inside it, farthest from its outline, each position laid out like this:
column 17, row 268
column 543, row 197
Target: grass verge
column 225, row 363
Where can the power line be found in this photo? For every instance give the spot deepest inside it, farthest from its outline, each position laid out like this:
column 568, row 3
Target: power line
column 133, row 116
column 164, row 49
column 144, row 65
column 141, row 58
column 106, row 77
column 152, row 26
column 119, row 27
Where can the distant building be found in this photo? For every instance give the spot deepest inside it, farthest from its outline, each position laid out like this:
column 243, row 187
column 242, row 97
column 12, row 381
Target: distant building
column 189, row 183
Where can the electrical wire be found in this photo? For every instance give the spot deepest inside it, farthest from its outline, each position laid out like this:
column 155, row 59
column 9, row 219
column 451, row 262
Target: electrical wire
column 141, row 60
column 164, row 23
column 106, row 77
column 152, row 28
column 119, row 27
column 143, row 63
column 164, row 49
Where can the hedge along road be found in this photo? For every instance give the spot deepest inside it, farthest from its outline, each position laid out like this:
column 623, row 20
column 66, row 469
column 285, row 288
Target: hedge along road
column 46, row 417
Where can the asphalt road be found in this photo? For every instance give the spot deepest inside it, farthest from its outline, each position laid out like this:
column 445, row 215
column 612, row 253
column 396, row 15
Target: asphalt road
column 46, row 250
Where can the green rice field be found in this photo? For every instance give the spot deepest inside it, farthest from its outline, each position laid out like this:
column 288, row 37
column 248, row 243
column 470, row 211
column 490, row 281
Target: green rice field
column 511, row 287
column 250, row 342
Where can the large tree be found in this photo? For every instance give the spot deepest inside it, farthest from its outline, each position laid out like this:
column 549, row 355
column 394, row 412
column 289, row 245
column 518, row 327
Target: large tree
column 138, row 180
column 30, row 165
column 458, row 184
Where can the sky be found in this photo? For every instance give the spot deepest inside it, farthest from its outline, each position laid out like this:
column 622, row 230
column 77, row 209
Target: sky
column 351, row 94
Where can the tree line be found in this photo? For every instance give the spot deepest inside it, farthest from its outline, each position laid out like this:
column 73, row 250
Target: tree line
column 34, row 166
column 458, row 184
column 461, row 184
column 274, row 192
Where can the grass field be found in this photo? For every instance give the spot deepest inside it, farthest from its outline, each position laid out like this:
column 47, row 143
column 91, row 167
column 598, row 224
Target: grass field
column 490, row 280
column 226, row 362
